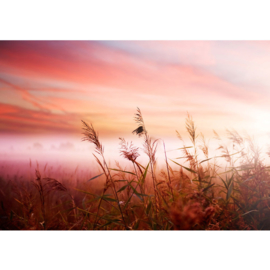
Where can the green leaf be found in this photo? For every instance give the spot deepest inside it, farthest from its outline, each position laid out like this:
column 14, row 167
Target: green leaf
column 205, row 160
column 225, row 172
column 162, row 182
column 224, row 182
column 95, row 177
column 140, row 165
column 208, row 187
column 122, row 171
column 122, row 188
column 116, row 221
column 183, row 166
column 142, row 180
column 127, row 203
column 89, row 201
column 139, row 196
column 219, row 157
column 148, row 207
column 105, row 198
column 86, row 192
column 230, row 180
column 137, row 193
column 250, row 178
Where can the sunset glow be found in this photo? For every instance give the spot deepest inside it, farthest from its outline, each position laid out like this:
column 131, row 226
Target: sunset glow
column 48, row 87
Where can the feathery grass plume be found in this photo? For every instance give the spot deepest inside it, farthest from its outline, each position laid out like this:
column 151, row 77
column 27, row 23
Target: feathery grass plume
column 234, row 136
column 204, row 146
column 226, row 154
column 191, row 129
column 128, row 150
column 140, row 131
column 150, row 148
column 39, row 186
column 54, row 184
column 195, row 165
column 255, row 150
column 92, row 136
column 51, row 185
column 190, row 158
column 190, row 126
column 167, row 166
column 224, row 149
column 131, row 153
column 211, row 169
column 179, row 136
column 216, row 135
column 186, row 153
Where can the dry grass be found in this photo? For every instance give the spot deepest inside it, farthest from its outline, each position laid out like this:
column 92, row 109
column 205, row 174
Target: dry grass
column 195, row 195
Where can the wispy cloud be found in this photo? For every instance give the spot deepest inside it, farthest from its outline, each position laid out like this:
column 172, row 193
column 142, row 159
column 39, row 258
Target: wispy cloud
column 47, row 87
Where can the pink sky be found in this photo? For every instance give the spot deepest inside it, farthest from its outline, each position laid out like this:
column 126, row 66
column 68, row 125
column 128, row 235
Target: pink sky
column 47, row 87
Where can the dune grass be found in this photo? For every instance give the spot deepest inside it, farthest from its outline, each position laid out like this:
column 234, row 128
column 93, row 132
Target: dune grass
column 194, row 194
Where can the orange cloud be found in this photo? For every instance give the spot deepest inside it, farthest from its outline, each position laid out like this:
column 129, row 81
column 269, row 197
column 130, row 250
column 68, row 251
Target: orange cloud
column 104, row 82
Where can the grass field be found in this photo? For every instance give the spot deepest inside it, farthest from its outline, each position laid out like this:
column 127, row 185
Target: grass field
column 192, row 192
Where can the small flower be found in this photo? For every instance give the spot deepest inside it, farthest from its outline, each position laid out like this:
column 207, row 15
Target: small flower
column 128, row 150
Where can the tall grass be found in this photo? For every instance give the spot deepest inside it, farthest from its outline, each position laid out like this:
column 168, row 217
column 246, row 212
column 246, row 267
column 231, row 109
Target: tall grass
column 191, row 192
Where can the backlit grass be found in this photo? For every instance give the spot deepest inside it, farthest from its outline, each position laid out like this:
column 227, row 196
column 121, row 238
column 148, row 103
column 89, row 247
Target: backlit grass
column 192, row 192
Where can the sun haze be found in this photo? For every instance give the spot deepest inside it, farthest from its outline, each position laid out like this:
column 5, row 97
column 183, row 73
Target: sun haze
column 48, row 87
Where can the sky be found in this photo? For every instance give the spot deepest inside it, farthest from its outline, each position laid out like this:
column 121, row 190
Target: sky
column 48, row 87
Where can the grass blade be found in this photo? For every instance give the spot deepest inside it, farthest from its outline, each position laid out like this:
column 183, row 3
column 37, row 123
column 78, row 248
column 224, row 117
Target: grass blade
column 122, row 171
column 122, row 188
column 95, row 177
column 183, row 167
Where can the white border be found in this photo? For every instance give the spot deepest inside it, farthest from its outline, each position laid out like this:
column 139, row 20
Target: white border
column 133, row 20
